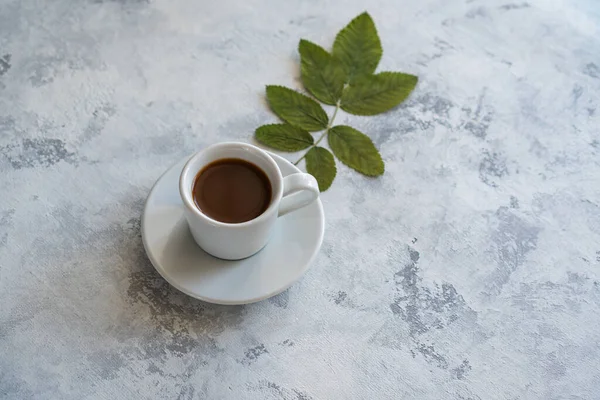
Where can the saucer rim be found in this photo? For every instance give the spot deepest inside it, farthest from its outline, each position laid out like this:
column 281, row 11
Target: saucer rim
column 164, row 274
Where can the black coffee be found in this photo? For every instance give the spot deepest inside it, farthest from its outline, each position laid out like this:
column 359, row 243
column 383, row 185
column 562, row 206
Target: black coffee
column 232, row 190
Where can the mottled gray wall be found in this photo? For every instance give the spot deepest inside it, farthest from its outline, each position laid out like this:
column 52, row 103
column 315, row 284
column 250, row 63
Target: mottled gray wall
column 479, row 280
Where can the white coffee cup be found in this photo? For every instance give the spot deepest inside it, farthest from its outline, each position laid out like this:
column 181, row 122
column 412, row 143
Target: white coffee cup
column 237, row 241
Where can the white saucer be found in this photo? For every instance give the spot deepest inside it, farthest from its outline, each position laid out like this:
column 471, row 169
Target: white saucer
column 173, row 252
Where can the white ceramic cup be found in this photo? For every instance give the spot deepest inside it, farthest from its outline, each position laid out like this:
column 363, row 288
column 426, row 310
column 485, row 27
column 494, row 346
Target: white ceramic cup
column 237, row 241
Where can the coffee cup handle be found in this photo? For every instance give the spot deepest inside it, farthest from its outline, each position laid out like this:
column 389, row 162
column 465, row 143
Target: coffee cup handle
column 299, row 190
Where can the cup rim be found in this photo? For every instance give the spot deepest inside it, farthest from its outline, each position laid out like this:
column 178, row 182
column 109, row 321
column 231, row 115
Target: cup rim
column 187, row 197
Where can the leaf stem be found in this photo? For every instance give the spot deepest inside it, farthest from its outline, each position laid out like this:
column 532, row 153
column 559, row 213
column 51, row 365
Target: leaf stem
column 329, row 125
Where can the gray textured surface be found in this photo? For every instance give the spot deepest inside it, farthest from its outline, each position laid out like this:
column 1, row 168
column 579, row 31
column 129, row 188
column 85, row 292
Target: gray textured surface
column 470, row 270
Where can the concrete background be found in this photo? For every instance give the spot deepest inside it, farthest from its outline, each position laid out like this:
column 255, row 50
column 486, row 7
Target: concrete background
column 470, row 270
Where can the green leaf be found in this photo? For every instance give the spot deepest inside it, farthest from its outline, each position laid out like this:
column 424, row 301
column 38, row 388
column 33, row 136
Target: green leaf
column 374, row 94
column 358, row 47
column 296, row 109
column 321, row 165
column 284, row 137
column 356, row 150
column 322, row 75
